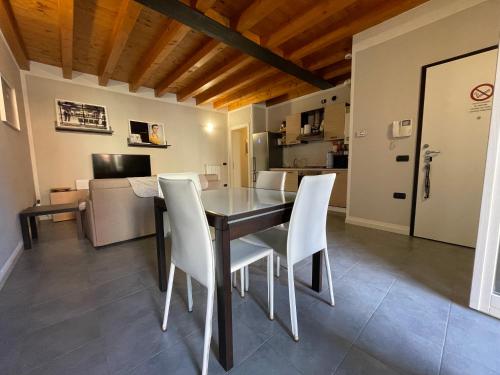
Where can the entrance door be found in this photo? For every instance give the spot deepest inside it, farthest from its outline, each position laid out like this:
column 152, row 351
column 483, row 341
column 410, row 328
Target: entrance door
column 239, row 157
column 454, row 135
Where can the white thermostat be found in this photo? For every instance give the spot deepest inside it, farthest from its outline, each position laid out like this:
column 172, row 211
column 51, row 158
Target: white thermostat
column 402, row 128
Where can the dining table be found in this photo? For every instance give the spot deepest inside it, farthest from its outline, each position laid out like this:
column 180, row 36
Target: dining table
column 233, row 213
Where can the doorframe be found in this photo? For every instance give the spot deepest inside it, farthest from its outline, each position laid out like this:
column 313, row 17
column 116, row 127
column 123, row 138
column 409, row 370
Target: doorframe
column 230, row 128
column 419, row 125
column 482, row 295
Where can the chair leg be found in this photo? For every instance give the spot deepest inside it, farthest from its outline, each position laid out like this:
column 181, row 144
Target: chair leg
column 190, row 293
column 278, row 266
column 242, row 282
column 247, row 279
column 208, row 330
column 329, row 276
column 169, row 295
column 270, row 286
column 293, row 307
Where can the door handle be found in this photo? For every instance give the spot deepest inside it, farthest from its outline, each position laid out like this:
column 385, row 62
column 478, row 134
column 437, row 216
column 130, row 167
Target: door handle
column 432, row 152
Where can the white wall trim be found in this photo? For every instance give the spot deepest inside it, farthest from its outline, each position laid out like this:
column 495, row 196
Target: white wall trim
column 410, row 20
column 337, row 209
column 89, row 80
column 374, row 224
column 31, row 143
column 8, row 266
column 8, row 49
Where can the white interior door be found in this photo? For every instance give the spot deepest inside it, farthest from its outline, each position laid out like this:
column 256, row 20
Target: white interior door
column 455, row 126
column 485, row 291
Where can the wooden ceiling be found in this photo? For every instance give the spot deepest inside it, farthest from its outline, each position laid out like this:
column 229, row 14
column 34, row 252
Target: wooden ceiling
column 126, row 41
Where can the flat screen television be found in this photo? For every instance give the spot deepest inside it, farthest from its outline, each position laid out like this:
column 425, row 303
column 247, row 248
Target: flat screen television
column 121, row 165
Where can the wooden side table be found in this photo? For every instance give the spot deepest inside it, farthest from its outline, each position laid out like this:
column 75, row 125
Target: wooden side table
column 29, row 214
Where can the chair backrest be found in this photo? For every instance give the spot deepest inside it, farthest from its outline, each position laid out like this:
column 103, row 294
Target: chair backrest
column 180, row 176
column 271, row 180
column 192, row 249
column 307, row 229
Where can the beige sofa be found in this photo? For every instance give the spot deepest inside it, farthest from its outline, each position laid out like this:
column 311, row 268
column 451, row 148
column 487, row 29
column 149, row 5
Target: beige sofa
column 114, row 213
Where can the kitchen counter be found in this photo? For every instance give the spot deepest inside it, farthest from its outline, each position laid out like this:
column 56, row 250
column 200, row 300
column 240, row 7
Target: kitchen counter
column 338, row 197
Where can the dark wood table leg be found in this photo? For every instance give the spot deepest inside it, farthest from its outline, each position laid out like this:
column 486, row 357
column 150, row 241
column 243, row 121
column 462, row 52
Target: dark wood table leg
column 224, row 289
column 25, row 230
column 34, row 229
column 160, row 248
column 79, row 225
column 317, row 272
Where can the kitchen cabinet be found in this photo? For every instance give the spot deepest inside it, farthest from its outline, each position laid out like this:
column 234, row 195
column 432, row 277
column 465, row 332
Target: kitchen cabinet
column 338, row 198
column 292, row 129
column 292, row 181
column 334, row 121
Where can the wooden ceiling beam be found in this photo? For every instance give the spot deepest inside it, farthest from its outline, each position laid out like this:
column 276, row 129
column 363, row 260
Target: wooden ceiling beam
column 301, row 90
column 213, row 77
column 10, row 30
column 124, row 23
column 172, row 35
column 336, row 70
column 267, row 92
column 200, row 22
column 318, row 13
column 353, row 26
column 233, row 83
column 66, row 26
column 249, row 89
column 204, row 5
column 322, row 62
column 200, row 57
column 254, row 13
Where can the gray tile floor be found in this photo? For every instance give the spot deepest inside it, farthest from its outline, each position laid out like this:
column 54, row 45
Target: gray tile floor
column 400, row 309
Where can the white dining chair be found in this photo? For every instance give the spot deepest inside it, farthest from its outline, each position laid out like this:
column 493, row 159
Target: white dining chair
column 306, row 234
column 271, row 180
column 193, row 252
column 268, row 180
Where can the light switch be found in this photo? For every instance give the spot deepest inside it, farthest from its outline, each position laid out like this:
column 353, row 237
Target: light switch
column 361, row 133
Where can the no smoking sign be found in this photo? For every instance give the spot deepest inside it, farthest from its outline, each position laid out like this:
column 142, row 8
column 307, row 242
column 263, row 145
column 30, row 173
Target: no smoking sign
column 482, row 92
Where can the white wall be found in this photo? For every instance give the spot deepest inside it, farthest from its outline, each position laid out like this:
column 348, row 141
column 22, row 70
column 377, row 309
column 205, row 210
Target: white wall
column 62, row 157
column 312, row 153
column 385, row 87
column 16, row 181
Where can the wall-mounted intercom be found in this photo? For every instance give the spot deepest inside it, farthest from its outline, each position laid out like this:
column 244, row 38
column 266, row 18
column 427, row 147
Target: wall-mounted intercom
column 402, row 128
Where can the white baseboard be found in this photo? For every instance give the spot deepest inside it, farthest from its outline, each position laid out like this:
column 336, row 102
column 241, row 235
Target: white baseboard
column 337, row 209
column 10, row 263
column 389, row 227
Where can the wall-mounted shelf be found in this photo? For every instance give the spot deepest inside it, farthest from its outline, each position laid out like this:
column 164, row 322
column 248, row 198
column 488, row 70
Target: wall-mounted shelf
column 83, row 130
column 150, row 145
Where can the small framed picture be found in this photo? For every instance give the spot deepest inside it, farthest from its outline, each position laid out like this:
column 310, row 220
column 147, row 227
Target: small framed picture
column 81, row 116
column 146, row 133
column 8, row 104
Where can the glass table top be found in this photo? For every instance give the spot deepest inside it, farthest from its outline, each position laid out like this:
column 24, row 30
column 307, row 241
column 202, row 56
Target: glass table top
column 236, row 201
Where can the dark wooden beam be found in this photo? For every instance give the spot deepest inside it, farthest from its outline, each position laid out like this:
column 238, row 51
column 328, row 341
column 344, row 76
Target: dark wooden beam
column 10, row 30
column 200, row 22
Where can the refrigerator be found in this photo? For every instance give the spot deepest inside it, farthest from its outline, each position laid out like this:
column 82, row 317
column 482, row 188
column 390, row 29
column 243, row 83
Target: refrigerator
column 266, row 152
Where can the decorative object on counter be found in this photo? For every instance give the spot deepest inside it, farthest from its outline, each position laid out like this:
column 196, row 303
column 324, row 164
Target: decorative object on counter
column 8, row 105
column 307, row 129
column 81, row 117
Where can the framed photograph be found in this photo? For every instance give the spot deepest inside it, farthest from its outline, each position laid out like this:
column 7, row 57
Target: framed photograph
column 8, row 104
column 81, row 117
column 146, row 133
